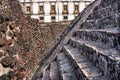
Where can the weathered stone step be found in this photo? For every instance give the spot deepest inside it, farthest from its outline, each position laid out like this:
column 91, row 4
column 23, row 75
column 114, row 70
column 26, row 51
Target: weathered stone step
column 102, row 23
column 87, row 67
column 66, row 67
column 38, row 79
column 46, row 75
column 105, row 58
column 105, row 3
column 109, row 30
column 99, row 47
column 54, row 71
column 110, row 37
column 104, row 12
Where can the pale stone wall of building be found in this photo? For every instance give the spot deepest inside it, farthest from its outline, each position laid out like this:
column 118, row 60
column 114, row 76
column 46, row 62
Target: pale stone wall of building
column 59, row 6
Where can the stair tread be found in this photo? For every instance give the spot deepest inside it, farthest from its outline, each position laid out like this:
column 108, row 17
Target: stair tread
column 38, row 79
column 104, row 8
column 103, row 23
column 111, row 16
column 94, row 21
column 46, row 75
column 110, row 30
column 110, row 52
column 90, row 71
column 54, row 71
column 66, row 69
column 69, row 76
column 108, row 10
column 102, row 78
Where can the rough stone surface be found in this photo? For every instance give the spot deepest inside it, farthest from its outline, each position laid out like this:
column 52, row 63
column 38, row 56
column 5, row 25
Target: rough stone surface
column 87, row 50
column 92, row 50
column 23, row 41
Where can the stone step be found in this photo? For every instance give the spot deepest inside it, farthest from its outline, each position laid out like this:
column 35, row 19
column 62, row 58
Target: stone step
column 46, row 75
column 66, row 68
column 105, row 58
column 87, row 67
column 99, row 47
column 110, row 37
column 38, row 79
column 105, row 3
column 54, row 71
column 102, row 23
column 104, row 12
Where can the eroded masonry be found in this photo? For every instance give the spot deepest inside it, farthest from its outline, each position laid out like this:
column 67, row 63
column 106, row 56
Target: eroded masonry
column 89, row 49
column 23, row 41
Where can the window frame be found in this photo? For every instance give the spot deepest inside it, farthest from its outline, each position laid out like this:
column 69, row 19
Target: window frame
column 52, row 9
column 65, row 9
column 65, row 18
column 41, row 9
column 28, row 9
column 76, row 8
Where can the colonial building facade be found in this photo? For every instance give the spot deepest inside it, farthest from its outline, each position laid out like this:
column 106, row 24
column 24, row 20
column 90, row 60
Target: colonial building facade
column 53, row 10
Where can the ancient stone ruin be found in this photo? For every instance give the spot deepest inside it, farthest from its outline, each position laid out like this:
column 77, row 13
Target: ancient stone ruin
column 23, row 41
column 89, row 49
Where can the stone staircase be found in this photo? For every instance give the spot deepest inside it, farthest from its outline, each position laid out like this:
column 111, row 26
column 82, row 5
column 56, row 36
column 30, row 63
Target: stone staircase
column 92, row 52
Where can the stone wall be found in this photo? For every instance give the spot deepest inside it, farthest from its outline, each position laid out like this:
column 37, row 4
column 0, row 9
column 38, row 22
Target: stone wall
column 23, row 41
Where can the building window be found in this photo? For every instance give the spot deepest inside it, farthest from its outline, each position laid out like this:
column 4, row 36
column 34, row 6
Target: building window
column 41, row 11
column 76, row 9
column 53, row 18
column 65, row 17
column 41, row 18
column 65, row 9
column 52, row 9
column 28, row 9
